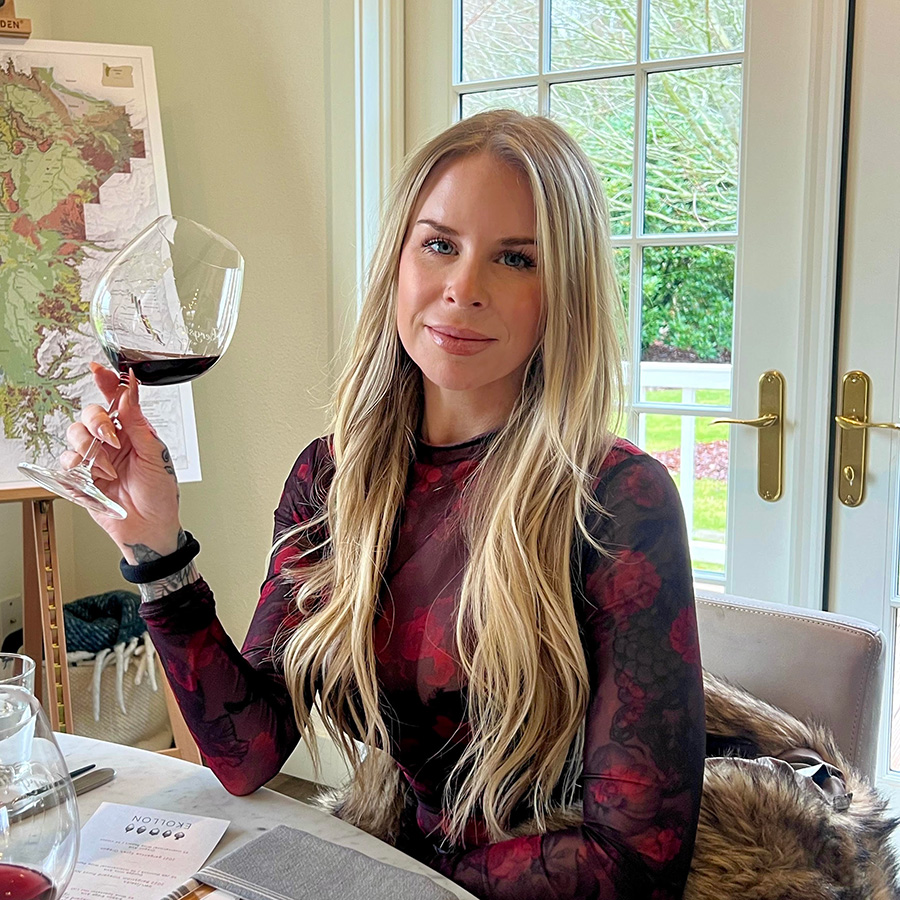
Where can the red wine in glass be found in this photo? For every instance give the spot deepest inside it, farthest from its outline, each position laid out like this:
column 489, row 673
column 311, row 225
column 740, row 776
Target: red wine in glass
column 22, row 883
column 158, row 368
column 165, row 308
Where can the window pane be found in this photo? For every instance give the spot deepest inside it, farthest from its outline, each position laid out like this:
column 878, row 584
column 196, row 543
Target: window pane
column 693, row 138
column 622, row 256
column 696, row 455
column 525, row 100
column 499, row 38
column 687, row 320
column 588, row 33
column 600, row 116
column 695, row 27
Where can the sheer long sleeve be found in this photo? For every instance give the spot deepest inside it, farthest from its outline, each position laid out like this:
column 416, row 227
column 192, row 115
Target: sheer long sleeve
column 236, row 703
column 644, row 738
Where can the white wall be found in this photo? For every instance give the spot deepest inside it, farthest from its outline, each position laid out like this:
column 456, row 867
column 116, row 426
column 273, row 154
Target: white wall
column 10, row 550
column 244, row 94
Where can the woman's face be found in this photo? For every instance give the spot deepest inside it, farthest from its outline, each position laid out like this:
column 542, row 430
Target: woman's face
column 469, row 294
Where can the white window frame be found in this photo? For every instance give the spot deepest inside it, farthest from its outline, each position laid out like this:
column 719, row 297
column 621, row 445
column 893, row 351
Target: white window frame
column 366, row 97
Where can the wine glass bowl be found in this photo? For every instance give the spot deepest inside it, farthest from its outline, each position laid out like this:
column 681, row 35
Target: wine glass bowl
column 39, row 825
column 164, row 308
column 18, row 670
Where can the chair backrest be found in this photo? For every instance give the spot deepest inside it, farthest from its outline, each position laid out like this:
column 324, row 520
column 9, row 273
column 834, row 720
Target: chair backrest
column 815, row 665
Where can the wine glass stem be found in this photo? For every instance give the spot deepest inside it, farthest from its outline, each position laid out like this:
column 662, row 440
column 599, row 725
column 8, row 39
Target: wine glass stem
column 113, row 412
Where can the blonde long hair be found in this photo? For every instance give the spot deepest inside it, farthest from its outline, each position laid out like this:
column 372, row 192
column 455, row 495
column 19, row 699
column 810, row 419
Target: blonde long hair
column 517, row 635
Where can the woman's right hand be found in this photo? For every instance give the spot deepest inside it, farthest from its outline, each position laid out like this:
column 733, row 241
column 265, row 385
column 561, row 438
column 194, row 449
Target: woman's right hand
column 132, row 467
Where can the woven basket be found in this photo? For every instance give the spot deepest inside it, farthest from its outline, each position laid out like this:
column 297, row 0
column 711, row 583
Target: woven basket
column 146, row 723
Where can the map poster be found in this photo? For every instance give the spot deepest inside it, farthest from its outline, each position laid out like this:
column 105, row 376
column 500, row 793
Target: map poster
column 82, row 171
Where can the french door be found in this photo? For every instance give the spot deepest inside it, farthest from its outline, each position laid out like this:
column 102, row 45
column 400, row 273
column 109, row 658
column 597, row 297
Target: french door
column 865, row 518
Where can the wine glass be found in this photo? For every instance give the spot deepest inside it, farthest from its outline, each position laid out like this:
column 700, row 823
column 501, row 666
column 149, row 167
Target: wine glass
column 39, row 825
column 17, row 669
column 164, row 308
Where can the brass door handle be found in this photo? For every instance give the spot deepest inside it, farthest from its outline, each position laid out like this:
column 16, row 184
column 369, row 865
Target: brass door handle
column 770, row 435
column 762, row 422
column 854, row 424
column 847, row 422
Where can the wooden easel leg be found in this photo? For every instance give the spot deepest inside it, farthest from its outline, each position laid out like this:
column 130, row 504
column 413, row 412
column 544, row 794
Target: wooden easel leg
column 57, row 702
column 31, row 596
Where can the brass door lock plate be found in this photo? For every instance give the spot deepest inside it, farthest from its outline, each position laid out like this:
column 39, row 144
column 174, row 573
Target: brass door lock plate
column 769, row 427
column 854, row 441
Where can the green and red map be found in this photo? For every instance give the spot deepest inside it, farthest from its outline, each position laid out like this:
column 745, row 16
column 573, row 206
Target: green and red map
column 77, row 181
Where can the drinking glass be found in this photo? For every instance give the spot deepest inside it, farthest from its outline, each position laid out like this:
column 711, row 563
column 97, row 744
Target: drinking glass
column 39, row 825
column 17, row 670
column 164, row 308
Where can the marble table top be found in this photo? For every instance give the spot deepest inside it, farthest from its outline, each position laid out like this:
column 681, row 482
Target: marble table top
column 162, row 782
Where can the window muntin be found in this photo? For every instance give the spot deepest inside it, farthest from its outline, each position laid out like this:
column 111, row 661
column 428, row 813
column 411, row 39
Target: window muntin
column 652, row 90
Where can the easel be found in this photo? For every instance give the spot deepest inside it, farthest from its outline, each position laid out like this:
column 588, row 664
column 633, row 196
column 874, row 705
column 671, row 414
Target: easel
column 43, row 628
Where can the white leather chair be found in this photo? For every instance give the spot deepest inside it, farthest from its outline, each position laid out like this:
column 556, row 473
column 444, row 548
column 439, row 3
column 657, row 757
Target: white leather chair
column 814, row 665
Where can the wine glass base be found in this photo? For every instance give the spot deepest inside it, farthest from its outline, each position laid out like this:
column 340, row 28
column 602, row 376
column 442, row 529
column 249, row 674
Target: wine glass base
column 76, row 486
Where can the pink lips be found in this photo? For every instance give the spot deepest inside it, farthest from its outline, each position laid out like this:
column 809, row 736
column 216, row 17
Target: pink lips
column 458, row 341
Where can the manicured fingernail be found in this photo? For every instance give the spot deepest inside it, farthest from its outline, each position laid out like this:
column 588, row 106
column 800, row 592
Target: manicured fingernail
column 106, row 469
column 108, row 434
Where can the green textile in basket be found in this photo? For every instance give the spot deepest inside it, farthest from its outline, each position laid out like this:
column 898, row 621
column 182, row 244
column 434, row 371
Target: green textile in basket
column 101, row 621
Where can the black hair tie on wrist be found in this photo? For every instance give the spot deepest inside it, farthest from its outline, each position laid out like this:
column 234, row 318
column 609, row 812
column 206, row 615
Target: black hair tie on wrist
column 155, row 569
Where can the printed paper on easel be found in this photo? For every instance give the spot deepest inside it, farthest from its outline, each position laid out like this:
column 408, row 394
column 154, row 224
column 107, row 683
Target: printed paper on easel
column 82, row 171
column 133, row 853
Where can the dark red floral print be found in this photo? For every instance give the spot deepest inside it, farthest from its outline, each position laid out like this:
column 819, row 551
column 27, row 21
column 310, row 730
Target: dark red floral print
column 424, row 641
column 643, row 735
column 683, row 637
column 643, row 488
column 659, row 844
column 632, row 584
column 515, row 860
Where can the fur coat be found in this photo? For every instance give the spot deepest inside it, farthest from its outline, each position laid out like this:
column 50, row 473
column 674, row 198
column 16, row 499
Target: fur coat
column 765, row 831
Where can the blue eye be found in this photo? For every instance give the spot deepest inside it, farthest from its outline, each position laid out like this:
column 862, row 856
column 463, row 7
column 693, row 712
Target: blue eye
column 517, row 260
column 439, row 245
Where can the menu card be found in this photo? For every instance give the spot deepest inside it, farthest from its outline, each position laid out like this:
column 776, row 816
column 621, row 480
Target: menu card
column 133, row 853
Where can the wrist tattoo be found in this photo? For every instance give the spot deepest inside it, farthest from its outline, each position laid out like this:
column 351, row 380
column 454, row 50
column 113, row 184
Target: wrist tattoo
column 167, row 459
column 153, row 590
column 170, row 468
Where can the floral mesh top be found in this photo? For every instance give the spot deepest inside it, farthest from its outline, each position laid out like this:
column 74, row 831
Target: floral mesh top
column 644, row 735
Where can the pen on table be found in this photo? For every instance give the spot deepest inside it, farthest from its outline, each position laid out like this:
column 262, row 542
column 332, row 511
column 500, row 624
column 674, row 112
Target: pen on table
column 45, row 798
column 73, row 775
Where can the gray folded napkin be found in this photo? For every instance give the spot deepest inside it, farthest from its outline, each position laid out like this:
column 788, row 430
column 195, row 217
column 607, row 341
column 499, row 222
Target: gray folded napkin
column 288, row 864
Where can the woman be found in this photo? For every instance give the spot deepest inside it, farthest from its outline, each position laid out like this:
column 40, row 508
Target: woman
column 472, row 576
